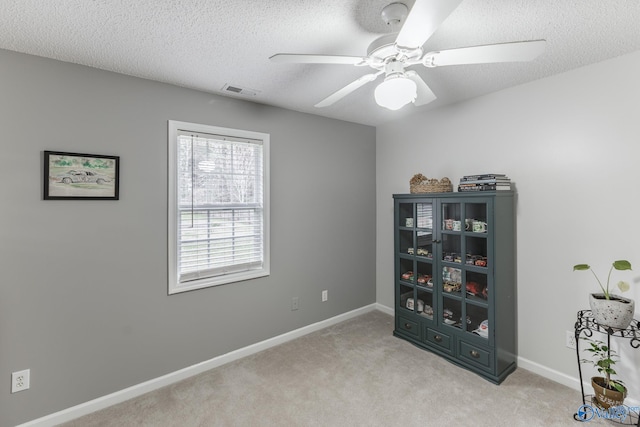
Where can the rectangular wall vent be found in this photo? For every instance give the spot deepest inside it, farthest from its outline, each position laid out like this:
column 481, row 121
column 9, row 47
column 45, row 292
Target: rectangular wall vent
column 237, row 90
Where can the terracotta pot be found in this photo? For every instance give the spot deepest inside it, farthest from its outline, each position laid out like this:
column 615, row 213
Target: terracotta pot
column 606, row 397
column 616, row 312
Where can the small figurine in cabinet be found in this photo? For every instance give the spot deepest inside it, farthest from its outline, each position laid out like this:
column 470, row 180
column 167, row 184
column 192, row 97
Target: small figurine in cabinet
column 428, row 311
column 447, row 316
column 409, row 303
column 410, row 251
column 483, row 329
column 423, row 279
column 476, row 289
column 451, row 287
column 407, row 276
column 481, row 262
column 419, row 306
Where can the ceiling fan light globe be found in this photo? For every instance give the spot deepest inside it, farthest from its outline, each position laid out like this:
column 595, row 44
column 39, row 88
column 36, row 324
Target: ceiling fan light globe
column 395, row 92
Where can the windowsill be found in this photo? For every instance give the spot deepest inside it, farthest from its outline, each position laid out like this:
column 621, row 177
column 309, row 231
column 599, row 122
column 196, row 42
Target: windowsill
column 217, row 281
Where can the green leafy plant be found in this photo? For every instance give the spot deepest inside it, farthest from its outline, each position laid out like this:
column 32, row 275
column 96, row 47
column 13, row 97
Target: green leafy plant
column 603, row 358
column 618, row 265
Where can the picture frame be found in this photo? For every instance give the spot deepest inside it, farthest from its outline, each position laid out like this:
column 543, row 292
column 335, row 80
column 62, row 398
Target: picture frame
column 77, row 176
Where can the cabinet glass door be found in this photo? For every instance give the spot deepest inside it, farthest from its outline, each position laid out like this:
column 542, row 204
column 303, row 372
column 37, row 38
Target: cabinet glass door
column 424, row 259
column 451, row 260
column 406, row 228
column 415, row 257
column 451, row 296
column 416, row 229
column 424, row 230
column 477, row 265
column 465, row 267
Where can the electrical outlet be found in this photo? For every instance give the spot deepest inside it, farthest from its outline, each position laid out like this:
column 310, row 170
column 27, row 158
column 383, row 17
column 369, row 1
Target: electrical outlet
column 571, row 339
column 20, row 380
column 294, row 303
column 325, row 295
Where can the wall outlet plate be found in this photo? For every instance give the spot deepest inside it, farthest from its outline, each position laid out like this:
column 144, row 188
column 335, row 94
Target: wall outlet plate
column 571, row 339
column 325, row 295
column 295, row 302
column 20, row 380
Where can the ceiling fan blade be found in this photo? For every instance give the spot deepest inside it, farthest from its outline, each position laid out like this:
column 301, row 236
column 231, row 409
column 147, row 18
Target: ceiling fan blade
column 423, row 20
column 424, row 94
column 294, row 58
column 341, row 93
column 503, row 52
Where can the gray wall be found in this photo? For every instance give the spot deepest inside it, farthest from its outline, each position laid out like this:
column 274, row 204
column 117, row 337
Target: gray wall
column 83, row 297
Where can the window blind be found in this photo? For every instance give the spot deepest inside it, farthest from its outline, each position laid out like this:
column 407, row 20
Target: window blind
column 221, row 205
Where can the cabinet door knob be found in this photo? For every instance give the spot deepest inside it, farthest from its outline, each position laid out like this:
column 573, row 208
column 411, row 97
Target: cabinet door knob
column 474, row 353
column 407, row 325
column 437, row 241
column 437, row 338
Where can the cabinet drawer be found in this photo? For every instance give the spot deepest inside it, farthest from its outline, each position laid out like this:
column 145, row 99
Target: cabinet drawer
column 474, row 354
column 437, row 338
column 408, row 326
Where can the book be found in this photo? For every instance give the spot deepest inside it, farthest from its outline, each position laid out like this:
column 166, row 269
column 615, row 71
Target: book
column 489, row 182
column 484, row 176
column 472, row 184
column 483, row 187
column 486, row 181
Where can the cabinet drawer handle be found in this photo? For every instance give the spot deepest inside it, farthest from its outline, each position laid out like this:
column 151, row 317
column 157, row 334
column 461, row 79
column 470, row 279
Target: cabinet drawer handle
column 437, row 338
column 474, row 353
column 407, row 325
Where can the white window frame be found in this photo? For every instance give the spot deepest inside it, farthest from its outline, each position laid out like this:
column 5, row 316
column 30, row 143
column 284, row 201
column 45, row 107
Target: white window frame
column 175, row 128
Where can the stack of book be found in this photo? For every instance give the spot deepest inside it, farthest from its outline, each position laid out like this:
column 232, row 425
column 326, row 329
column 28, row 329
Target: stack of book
column 485, row 182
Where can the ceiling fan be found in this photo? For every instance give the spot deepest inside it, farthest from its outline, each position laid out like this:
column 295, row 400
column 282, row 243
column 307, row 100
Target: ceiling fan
column 393, row 54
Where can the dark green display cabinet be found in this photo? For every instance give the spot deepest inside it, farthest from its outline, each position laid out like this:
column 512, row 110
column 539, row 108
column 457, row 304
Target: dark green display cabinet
column 455, row 281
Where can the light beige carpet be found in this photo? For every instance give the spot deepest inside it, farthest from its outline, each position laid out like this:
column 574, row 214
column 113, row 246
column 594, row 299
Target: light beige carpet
column 351, row 374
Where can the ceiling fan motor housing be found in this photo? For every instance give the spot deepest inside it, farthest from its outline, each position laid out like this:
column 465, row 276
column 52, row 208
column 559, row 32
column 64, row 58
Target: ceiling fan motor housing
column 394, row 69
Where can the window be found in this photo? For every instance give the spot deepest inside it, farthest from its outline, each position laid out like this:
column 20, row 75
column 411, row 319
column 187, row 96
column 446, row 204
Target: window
column 218, row 206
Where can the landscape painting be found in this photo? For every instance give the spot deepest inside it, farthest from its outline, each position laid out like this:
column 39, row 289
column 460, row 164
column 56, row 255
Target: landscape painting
column 81, row 176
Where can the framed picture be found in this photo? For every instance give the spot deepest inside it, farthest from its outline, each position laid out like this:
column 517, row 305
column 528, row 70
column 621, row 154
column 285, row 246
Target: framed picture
column 78, row 176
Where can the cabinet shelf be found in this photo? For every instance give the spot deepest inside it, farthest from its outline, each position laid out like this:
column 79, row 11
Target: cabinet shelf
column 476, row 268
column 477, row 301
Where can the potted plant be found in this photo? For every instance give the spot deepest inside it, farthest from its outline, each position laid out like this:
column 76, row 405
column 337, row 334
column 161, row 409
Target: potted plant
column 610, row 310
column 608, row 392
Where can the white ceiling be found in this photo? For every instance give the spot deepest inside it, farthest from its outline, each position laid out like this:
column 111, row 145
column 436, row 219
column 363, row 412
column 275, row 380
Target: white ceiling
column 205, row 44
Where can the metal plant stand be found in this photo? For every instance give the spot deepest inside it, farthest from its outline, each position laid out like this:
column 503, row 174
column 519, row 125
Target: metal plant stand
column 586, row 326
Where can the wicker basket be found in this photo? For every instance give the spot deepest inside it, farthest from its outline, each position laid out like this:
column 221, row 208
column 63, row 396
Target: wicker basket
column 421, row 184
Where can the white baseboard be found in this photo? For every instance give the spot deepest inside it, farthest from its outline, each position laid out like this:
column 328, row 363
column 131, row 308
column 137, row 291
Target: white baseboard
column 383, row 308
column 549, row 373
column 564, row 379
column 156, row 383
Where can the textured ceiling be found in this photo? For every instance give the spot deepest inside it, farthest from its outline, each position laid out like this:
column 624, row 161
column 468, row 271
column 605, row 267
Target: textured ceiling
column 205, row 44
